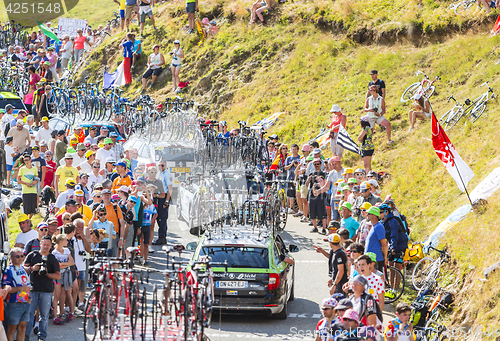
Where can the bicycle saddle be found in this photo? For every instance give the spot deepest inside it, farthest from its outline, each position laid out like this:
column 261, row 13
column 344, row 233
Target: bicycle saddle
column 132, row 249
column 179, row 248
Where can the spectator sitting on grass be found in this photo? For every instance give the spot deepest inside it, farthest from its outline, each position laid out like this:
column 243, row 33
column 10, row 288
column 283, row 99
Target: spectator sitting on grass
column 422, row 110
column 258, row 7
column 136, row 50
column 155, row 63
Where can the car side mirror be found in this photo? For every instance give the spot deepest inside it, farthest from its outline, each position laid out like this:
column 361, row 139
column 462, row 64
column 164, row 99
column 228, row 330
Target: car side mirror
column 293, row 248
column 191, row 246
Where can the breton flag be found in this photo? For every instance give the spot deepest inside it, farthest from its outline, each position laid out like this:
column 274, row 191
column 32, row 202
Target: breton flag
column 345, row 141
column 114, row 79
column 458, row 169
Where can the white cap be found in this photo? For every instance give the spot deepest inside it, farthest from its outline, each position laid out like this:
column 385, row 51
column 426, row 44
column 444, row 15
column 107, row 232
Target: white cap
column 373, row 182
column 335, row 108
column 20, row 122
column 177, row 41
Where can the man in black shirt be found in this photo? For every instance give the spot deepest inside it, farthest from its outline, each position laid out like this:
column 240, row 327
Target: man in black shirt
column 317, row 204
column 43, row 268
column 337, row 264
column 378, row 82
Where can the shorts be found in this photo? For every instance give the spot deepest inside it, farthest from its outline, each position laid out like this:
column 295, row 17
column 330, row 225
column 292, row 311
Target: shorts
column 328, row 201
column 290, row 192
column 367, row 152
column 58, row 64
column 334, row 147
column 377, row 120
column 317, row 208
column 128, row 11
column 122, row 13
column 129, row 238
column 176, row 65
column 146, row 234
column 397, row 257
column 335, row 214
column 29, row 203
column 190, row 7
column 9, row 168
column 154, row 72
column 303, row 191
column 147, row 14
column 81, row 275
column 16, row 312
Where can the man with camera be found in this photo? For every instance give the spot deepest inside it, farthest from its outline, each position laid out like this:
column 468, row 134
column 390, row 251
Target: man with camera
column 317, row 205
column 43, row 268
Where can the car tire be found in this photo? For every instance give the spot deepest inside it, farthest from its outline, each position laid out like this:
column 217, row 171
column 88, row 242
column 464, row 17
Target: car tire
column 284, row 313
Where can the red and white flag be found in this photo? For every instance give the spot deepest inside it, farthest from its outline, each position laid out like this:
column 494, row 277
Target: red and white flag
column 458, row 169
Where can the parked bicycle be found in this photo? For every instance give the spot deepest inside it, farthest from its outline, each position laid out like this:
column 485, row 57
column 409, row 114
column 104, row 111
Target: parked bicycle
column 428, row 269
column 425, row 86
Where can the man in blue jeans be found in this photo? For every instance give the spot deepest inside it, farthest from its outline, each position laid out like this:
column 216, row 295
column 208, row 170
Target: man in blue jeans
column 43, row 268
column 163, row 203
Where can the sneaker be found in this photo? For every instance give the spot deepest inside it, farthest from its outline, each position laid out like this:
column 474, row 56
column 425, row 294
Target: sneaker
column 146, row 263
column 291, row 211
column 69, row 317
column 311, row 223
column 390, row 142
column 391, row 293
column 298, row 214
column 78, row 311
column 323, row 231
column 81, row 307
column 36, row 330
column 151, row 251
column 59, row 321
column 314, row 230
column 304, row 219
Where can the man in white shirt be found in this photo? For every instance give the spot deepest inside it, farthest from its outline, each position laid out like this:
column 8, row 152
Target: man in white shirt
column 92, row 137
column 69, row 193
column 105, row 152
column 44, row 132
column 6, row 119
column 79, row 157
column 86, row 167
column 66, row 51
column 27, row 233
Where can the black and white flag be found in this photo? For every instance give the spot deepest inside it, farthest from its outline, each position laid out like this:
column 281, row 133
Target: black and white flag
column 345, row 141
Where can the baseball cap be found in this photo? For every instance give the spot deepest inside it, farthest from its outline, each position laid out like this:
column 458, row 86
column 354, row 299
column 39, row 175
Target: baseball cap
column 48, row 152
column 366, row 206
column 124, row 189
column 345, row 187
column 373, row 182
column 52, row 220
column 113, row 134
column 22, row 217
column 121, row 163
column 79, row 193
column 108, row 140
column 93, row 128
column 35, row 148
column 347, row 205
column 334, row 238
column 110, row 159
column 317, row 151
column 329, row 302
column 73, row 140
column 68, row 156
column 372, row 173
column 348, row 171
column 372, row 256
column 70, row 182
column 83, row 175
column 96, row 193
column 352, row 181
column 81, row 146
column 361, row 280
column 132, row 198
column 106, row 191
column 177, row 41
column 71, row 202
column 335, row 158
column 77, row 127
column 335, row 108
column 355, row 188
column 351, row 315
column 20, row 122
column 306, row 147
column 273, row 136
column 360, row 170
column 374, row 210
column 43, row 143
column 45, row 118
column 365, row 186
column 344, row 304
column 129, row 149
column 89, row 153
column 42, row 225
column 104, row 128
column 71, row 150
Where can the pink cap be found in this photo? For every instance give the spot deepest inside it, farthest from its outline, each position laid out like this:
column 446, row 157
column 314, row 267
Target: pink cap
column 335, row 158
column 352, row 315
column 317, row 160
column 306, row 148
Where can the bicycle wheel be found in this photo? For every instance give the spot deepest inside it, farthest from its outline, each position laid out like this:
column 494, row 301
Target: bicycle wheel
column 410, row 92
column 394, row 284
column 91, row 316
column 420, row 272
column 155, row 308
column 144, row 314
column 477, row 111
column 429, row 91
column 282, row 209
column 453, row 119
column 134, row 309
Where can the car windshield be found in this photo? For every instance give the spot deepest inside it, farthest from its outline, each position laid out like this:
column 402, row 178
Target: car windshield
column 237, row 256
column 174, row 154
column 16, row 103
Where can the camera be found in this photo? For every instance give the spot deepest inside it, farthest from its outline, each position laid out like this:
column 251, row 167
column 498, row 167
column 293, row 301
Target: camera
column 375, row 109
column 43, row 266
column 82, row 253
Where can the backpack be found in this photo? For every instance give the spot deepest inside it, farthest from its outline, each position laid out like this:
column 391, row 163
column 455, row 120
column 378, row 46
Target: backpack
column 403, row 229
column 7, row 128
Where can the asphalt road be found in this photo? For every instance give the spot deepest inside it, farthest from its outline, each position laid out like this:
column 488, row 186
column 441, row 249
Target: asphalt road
column 311, row 276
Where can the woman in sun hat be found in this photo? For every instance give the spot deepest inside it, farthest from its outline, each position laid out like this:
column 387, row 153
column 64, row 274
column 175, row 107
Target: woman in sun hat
column 338, row 119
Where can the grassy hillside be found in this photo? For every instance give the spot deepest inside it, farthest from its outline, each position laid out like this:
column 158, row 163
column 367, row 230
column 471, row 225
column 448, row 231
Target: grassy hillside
column 317, row 53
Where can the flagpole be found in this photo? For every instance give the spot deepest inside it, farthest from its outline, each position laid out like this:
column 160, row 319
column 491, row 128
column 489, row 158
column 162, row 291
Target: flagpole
column 460, row 175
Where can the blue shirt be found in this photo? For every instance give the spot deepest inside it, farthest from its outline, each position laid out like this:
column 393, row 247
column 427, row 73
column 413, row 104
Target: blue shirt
column 133, row 164
column 127, row 49
column 166, row 179
column 376, row 234
column 136, row 48
column 130, row 2
column 291, row 172
column 149, row 211
column 106, row 226
column 16, row 277
column 351, row 225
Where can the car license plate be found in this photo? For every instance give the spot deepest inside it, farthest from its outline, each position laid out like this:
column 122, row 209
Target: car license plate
column 231, row 284
column 231, row 292
column 181, row 170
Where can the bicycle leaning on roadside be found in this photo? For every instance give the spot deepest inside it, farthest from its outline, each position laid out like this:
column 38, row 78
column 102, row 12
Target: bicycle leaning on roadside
column 427, row 269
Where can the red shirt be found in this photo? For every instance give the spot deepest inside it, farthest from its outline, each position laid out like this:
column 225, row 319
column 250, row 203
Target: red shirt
column 49, row 173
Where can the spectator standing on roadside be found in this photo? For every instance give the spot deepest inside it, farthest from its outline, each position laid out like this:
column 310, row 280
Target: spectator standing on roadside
column 28, row 177
column 105, row 152
column 291, row 162
column 65, row 173
column 376, row 286
column 127, row 45
column 323, row 328
column 337, row 264
column 191, row 8
column 366, row 196
column 44, row 133
column 60, row 147
column 63, row 285
column 21, row 137
column 375, row 108
column 177, row 55
column 123, row 179
column 347, row 221
column 155, row 62
column 50, row 169
column 400, row 328
column 330, row 186
column 338, row 119
column 92, row 136
column 80, row 41
column 165, row 177
column 117, row 147
column 145, row 10
column 364, row 225
column 121, row 3
column 129, row 8
column 42, row 285
column 27, row 233
column 375, row 241
column 365, row 304
column 367, row 147
column 34, row 244
column 378, row 82
column 17, row 303
column 317, row 208
column 66, row 51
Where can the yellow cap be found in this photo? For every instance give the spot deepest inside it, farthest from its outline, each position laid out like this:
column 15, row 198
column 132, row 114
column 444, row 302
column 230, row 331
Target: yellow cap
column 22, row 217
column 45, row 118
column 348, row 171
column 366, row 205
column 70, row 182
column 100, row 145
column 89, row 153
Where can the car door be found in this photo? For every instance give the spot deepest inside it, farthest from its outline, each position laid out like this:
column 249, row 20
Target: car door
column 280, row 245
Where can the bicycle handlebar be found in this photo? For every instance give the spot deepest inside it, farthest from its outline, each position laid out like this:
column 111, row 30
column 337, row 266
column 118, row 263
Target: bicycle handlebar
column 443, row 251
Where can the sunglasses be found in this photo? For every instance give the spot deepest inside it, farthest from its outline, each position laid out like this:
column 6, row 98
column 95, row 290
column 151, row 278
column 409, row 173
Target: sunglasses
column 44, row 229
column 346, row 319
column 341, row 309
column 363, row 210
column 317, row 164
column 326, row 308
column 97, row 196
column 162, row 165
column 97, row 166
column 102, row 214
column 18, row 256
